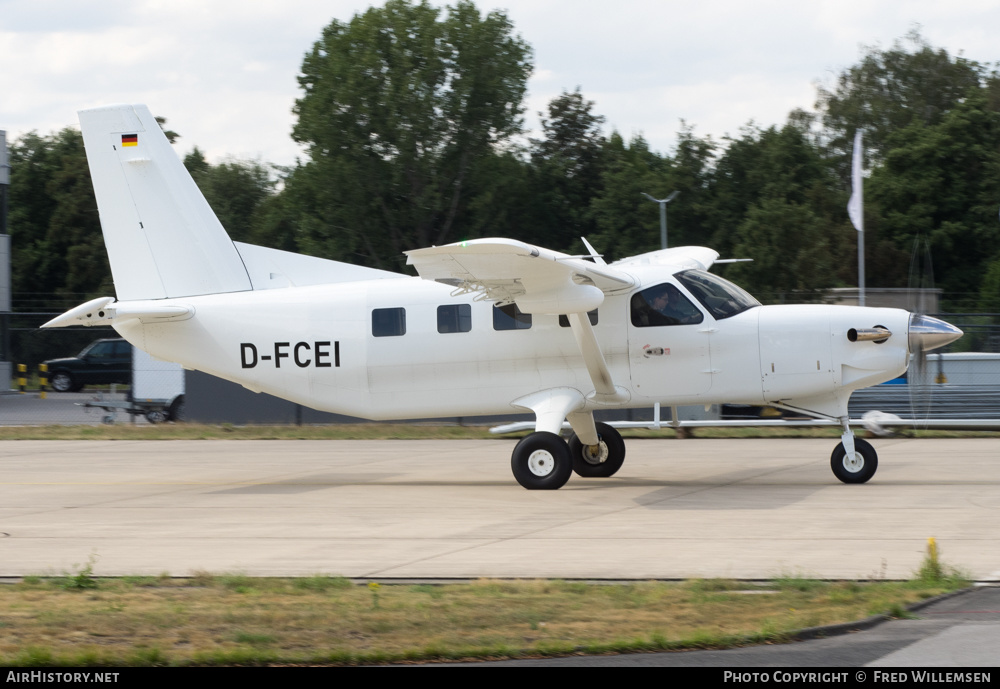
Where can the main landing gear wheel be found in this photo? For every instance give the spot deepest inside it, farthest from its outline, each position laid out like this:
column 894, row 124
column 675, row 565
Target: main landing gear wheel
column 541, row 461
column 858, row 469
column 601, row 460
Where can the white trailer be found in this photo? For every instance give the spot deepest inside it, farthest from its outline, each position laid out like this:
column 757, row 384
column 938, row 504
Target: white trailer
column 157, row 391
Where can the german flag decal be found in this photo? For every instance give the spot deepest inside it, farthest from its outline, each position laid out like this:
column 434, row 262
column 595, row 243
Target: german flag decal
column 130, row 140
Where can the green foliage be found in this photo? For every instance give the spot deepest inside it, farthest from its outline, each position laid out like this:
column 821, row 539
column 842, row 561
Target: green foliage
column 890, row 89
column 82, row 578
column 53, row 219
column 989, row 292
column 933, row 572
column 322, row 582
column 628, row 222
column 939, row 182
column 566, row 169
column 235, row 189
column 410, row 115
column 237, row 582
column 790, row 248
column 796, row 581
column 401, row 105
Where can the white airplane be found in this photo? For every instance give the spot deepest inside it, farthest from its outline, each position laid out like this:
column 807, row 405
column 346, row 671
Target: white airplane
column 490, row 326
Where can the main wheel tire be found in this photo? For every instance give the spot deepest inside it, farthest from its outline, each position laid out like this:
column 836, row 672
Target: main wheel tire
column 541, row 461
column 858, row 470
column 601, row 460
column 61, row 381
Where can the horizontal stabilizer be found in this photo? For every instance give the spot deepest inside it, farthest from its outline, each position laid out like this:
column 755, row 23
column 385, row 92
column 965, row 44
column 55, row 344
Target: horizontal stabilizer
column 106, row 311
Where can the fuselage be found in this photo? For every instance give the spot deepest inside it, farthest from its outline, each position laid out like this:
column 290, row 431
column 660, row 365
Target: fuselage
column 406, row 348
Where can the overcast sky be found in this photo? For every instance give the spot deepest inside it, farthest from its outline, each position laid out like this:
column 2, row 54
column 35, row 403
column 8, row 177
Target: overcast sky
column 223, row 72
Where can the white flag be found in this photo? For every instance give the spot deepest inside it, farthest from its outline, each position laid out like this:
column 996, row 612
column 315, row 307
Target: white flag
column 855, row 207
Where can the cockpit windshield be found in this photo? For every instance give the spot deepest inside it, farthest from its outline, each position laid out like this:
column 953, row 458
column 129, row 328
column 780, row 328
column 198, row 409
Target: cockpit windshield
column 720, row 297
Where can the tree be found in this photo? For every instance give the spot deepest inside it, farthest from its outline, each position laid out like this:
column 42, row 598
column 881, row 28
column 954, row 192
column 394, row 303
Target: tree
column 400, row 106
column 235, row 189
column 54, row 224
column 939, row 181
column 890, row 89
column 628, row 223
column 567, row 163
column 774, row 163
column 790, row 248
column 989, row 292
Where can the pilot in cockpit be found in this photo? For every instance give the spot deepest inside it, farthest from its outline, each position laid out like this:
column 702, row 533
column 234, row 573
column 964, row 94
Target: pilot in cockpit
column 663, row 305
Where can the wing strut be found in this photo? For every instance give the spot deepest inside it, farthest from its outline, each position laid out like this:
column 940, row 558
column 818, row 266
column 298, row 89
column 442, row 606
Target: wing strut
column 605, row 390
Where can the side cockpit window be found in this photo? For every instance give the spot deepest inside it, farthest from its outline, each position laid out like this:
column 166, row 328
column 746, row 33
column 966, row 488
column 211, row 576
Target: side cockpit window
column 663, row 305
column 721, row 297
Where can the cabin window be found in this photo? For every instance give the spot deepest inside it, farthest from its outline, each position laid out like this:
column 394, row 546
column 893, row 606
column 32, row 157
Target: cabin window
column 663, row 305
column 592, row 315
column 509, row 317
column 388, row 322
column 454, row 318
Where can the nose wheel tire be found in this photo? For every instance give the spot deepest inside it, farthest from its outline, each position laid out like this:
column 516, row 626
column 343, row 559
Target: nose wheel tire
column 601, row 460
column 541, row 461
column 857, row 469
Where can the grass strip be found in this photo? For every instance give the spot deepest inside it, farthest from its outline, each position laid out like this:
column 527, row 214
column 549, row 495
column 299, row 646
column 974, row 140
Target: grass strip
column 231, row 619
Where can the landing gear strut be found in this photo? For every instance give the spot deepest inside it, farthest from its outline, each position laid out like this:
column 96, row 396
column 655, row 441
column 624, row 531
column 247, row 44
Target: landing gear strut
column 853, row 460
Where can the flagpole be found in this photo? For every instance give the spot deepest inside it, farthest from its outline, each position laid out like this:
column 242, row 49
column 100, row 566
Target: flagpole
column 856, row 210
column 861, row 268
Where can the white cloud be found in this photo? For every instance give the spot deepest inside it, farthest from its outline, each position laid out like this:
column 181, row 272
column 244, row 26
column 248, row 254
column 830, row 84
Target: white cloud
column 224, row 71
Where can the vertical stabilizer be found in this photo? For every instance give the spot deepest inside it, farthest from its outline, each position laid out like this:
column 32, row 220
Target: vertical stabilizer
column 163, row 239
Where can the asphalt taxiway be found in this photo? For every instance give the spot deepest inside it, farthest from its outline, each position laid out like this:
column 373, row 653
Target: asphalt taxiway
column 748, row 509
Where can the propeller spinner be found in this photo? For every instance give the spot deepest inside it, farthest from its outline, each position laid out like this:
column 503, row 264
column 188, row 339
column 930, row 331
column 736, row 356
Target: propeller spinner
column 927, row 333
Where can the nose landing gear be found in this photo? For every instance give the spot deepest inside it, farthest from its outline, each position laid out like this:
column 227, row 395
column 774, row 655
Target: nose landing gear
column 853, row 460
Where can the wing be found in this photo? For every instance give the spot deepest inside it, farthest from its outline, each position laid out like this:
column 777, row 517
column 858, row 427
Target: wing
column 679, row 258
column 538, row 281
column 508, row 271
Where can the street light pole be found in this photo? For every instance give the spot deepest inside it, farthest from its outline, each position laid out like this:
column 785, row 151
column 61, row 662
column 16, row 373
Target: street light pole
column 663, row 215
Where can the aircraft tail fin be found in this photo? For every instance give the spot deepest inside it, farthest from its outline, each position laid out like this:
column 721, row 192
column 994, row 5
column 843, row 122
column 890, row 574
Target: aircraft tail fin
column 163, row 239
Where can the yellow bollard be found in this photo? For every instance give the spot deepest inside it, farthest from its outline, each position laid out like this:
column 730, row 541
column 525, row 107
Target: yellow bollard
column 43, row 379
column 22, row 380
